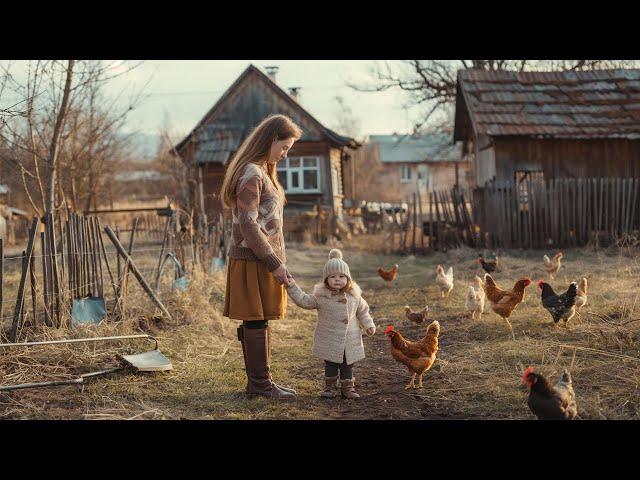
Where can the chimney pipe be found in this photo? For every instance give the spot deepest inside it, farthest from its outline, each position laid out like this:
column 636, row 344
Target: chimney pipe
column 272, row 70
column 294, row 93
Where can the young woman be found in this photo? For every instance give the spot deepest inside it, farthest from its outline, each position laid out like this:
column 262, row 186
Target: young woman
column 256, row 273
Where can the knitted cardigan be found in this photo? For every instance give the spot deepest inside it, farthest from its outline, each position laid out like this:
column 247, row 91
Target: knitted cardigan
column 341, row 316
column 257, row 219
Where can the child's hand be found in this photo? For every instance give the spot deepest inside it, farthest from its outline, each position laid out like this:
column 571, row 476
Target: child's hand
column 371, row 330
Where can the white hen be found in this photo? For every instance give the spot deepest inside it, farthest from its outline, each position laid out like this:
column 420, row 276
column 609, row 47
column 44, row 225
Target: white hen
column 475, row 298
column 444, row 280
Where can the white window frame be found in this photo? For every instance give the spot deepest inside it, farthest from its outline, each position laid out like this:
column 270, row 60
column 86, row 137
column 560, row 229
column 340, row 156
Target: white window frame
column 405, row 168
column 284, row 166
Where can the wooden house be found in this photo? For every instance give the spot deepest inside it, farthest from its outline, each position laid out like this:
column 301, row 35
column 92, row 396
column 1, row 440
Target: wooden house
column 319, row 168
column 547, row 125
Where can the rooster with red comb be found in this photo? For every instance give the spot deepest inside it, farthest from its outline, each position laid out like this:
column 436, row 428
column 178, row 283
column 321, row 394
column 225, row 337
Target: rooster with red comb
column 549, row 402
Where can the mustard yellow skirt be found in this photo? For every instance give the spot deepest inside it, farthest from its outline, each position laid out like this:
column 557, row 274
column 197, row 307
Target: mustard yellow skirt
column 252, row 292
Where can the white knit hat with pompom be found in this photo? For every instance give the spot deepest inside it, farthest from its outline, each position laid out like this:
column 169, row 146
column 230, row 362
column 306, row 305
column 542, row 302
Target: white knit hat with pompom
column 335, row 265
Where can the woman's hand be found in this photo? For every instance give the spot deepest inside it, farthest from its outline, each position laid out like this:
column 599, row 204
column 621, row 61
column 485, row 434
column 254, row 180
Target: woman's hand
column 282, row 275
column 371, row 330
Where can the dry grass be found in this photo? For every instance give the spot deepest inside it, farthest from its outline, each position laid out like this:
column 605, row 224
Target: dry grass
column 476, row 376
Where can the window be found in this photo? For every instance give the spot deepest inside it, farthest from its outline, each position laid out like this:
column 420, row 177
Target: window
column 405, row 173
column 300, row 174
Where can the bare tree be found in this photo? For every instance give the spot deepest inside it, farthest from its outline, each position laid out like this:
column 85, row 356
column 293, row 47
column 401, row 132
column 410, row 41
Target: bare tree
column 172, row 167
column 67, row 131
column 430, row 85
column 345, row 123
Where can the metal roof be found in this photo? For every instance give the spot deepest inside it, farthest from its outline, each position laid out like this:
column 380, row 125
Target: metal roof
column 583, row 104
column 431, row 147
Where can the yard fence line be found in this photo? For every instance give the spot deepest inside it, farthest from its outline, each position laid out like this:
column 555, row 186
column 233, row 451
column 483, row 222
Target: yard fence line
column 67, row 258
column 555, row 213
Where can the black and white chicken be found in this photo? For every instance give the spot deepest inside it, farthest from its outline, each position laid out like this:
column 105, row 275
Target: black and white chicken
column 561, row 307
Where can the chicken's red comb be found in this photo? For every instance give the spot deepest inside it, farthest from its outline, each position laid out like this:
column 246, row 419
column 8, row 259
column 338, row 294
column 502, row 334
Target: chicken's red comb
column 526, row 374
column 388, row 329
column 539, row 283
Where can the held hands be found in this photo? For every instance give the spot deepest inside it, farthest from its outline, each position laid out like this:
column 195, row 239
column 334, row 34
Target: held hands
column 282, row 275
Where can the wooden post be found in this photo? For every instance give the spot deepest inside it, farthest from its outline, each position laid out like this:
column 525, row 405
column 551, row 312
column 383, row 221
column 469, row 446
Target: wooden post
column 134, row 270
column 32, row 275
column 431, row 243
column 106, row 260
column 45, row 281
column 421, row 222
column 55, row 280
column 633, row 203
column 23, row 278
column 1, row 280
column 164, row 244
column 415, row 220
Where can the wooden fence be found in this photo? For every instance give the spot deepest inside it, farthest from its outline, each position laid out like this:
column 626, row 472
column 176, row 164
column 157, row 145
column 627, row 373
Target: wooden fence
column 69, row 258
column 556, row 213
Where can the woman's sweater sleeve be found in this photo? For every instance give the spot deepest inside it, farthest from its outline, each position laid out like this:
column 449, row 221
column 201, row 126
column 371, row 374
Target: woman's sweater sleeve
column 247, row 202
column 304, row 300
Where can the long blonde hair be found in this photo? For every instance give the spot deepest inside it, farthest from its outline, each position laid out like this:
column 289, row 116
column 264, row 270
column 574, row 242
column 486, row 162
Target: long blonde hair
column 255, row 148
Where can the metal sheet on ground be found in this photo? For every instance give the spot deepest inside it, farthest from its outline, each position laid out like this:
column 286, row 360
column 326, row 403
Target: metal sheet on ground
column 88, row 310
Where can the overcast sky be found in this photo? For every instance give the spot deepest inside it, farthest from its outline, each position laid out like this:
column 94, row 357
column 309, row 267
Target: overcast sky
column 183, row 91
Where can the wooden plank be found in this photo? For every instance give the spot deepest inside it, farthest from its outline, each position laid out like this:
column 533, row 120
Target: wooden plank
column 518, row 217
column 134, row 269
column 1, row 282
column 106, row 260
column 534, row 211
column 431, row 243
column 34, row 293
column 628, row 205
column 529, row 219
column 636, row 184
column 23, row 278
column 421, row 219
column 97, row 233
column 94, row 262
column 574, row 210
column 607, row 201
column 55, row 279
column 415, row 220
column 501, row 215
column 45, row 281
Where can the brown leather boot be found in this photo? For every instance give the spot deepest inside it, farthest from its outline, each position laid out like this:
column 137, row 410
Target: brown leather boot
column 347, row 388
column 256, row 363
column 330, row 387
column 281, row 387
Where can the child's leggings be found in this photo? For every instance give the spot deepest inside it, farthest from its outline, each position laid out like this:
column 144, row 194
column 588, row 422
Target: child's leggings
column 331, row 369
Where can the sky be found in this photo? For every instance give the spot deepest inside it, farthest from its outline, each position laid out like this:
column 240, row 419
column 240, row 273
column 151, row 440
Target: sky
column 180, row 92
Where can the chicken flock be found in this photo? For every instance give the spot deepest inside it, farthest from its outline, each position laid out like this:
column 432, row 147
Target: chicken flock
column 546, row 401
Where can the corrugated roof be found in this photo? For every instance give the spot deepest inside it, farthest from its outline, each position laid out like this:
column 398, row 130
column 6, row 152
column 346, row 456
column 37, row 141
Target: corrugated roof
column 432, row 147
column 590, row 104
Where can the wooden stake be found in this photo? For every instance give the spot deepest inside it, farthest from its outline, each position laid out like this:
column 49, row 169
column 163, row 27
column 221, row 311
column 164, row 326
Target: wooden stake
column 134, row 269
column 23, row 278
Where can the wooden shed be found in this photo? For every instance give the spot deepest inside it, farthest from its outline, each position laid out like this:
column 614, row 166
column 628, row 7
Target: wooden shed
column 554, row 156
column 549, row 124
column 319, row 168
